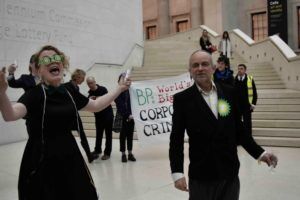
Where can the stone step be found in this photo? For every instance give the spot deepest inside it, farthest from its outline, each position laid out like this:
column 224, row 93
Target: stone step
column 280, row 93
column 291, row 101
column 158, row 70
column 275, row 115
column 264, row 74
column 269, row 78
column 276, row 132
column 89, row 126
column 278, row 141
column 277, row 108
column 263, row 123
column 87, row 119
column 268, row 82
column 273, row 86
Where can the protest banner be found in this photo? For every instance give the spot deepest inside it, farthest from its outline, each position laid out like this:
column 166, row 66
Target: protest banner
column 152, row 107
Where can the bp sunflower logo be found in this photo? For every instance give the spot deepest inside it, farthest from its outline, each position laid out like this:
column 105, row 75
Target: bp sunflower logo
column 223, row 108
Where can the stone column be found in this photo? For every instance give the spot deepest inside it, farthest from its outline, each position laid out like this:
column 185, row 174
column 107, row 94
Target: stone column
column 163, row 17
column 196, row 13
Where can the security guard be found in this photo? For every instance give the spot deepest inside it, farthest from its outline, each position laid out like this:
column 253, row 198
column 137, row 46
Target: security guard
column 247, row 95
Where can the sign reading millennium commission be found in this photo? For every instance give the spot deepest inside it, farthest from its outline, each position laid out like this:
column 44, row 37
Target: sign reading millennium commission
column 152, row 107
column 277, row 18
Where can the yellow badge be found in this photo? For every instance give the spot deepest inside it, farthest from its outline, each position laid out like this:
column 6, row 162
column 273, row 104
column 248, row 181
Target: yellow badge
column 223, row 108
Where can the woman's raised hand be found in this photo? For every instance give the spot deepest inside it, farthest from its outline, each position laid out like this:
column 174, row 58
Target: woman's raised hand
column 3, row 82
column 124, row 84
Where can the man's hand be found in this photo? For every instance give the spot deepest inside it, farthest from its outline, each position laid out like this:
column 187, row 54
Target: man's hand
column 252, row 107
column 12, row 68
column 180, row 184
column 270, row 159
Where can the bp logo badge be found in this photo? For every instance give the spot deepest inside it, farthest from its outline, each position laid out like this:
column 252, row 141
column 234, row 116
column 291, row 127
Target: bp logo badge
column 223, row 108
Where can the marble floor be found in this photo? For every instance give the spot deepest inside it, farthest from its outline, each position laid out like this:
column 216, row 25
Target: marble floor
column 149, row 178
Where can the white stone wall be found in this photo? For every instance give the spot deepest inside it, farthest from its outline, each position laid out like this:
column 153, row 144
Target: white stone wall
column 89, row 32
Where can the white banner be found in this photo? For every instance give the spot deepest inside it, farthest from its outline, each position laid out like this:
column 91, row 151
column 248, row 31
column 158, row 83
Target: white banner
column 152, row 107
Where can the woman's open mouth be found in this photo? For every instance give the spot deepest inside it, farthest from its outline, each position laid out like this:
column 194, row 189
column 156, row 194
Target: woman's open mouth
column 54, row 70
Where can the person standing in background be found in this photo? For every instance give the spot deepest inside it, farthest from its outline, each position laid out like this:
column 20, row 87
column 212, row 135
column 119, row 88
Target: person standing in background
column 247, row 95
column 26, row 81
column 104, row 120
column 126, row 134
column 225, row 45
column 222, row 73
column 77, row 78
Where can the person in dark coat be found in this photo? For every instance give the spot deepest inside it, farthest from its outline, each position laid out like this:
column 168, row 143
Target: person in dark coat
column 26, row 81
column 104, row 119
column 247, row 95
column 223, row 74
column 77, row 78
column 204, row 42
column 126, row 134
column 208, row 113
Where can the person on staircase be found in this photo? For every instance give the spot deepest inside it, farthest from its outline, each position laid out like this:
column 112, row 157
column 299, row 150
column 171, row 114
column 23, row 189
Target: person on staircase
column 247, row 96
column 205, row 42
column 225, row 48
column 223, row 74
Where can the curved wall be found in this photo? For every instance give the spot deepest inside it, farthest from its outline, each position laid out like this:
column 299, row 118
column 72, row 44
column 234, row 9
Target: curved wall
column 89, row 32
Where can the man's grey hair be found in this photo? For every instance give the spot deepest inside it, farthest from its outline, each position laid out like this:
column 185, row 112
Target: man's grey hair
column 199, row 50
column 90, row 78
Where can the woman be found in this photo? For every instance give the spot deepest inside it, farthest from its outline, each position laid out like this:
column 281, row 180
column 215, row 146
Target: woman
column 205, row 42
column 126, row 134
column 52, row 166
column 225, row 45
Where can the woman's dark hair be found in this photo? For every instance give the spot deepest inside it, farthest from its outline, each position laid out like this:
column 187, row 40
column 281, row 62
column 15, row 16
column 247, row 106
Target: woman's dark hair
column 225, row 33
column 32, row 59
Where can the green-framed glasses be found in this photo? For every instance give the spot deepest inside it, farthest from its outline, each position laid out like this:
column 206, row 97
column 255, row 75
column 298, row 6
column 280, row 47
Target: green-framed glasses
column 46, row 60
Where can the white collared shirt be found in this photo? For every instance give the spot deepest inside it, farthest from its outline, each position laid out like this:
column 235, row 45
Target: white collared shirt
column 241, row 77
column 211, row 98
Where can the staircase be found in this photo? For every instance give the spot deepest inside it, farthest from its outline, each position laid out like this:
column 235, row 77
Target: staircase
column 276, row 119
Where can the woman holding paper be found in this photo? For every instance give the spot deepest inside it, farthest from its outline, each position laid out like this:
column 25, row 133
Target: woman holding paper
column 126, row 134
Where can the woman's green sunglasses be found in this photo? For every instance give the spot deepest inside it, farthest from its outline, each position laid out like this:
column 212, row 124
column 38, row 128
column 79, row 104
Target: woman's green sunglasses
column 46, row 60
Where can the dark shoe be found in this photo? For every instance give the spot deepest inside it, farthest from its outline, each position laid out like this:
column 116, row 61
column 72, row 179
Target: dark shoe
column 105, row 157
column 124, row 158
column 92, row 157
column 131, row 157
column 96, row 153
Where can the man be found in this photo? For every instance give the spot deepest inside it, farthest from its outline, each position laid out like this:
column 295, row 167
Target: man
column 26, row 81
column 223, row 74
column 104, row 119
column 247, row 95
column 207, row 112
column 77, row 78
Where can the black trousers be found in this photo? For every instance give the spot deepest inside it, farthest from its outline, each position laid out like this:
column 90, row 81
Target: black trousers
column 246, row 116
column 126, row 134
column 101, row 125
column 83, row 139
column 214, row 190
